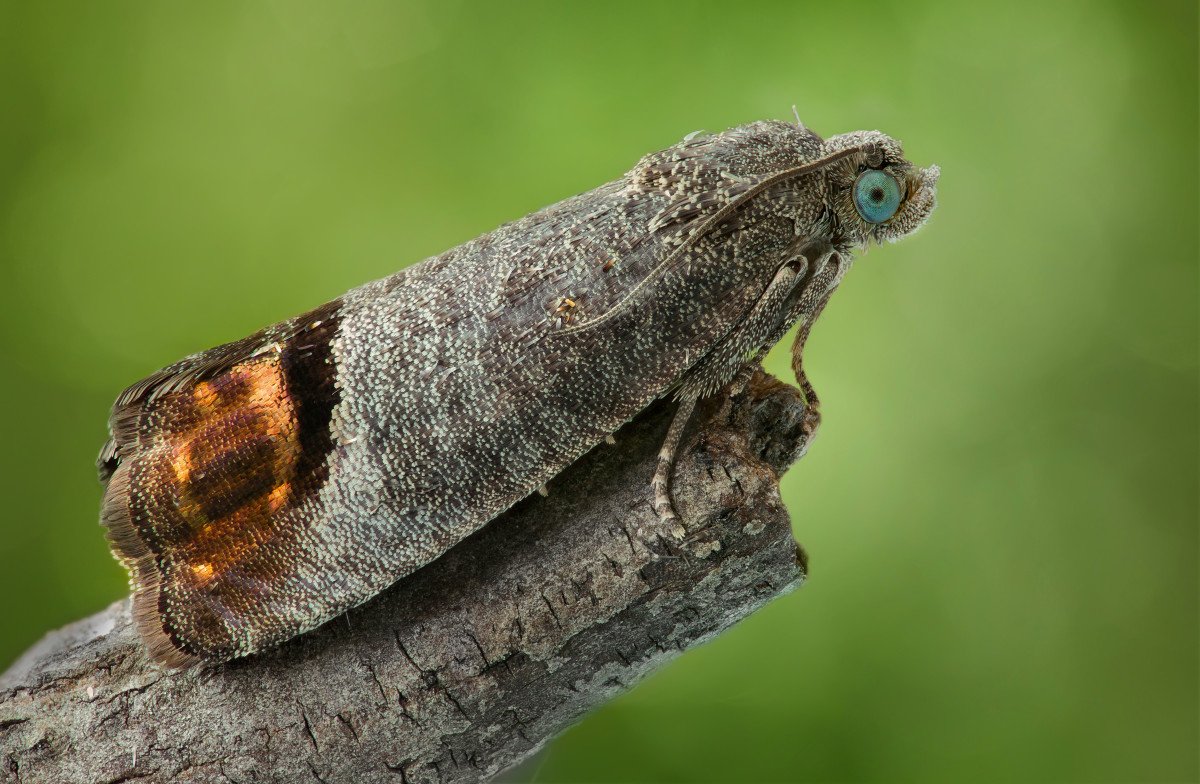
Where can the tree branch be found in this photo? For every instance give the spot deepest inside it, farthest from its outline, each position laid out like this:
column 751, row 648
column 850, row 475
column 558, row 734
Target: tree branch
column 464, row 668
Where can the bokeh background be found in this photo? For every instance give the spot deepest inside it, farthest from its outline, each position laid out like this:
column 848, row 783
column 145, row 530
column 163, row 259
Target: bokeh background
column 1002, row 506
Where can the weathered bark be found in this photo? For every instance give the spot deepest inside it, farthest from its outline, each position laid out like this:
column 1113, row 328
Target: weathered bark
column 466, row 667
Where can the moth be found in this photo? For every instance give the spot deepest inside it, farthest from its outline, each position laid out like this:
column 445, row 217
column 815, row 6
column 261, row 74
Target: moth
column 262, row 487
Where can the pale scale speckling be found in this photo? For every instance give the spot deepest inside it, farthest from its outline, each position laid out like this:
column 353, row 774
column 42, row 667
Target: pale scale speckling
column 466, row 383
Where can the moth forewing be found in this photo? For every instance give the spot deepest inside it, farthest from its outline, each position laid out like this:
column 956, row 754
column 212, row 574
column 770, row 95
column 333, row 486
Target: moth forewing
column 260, row 488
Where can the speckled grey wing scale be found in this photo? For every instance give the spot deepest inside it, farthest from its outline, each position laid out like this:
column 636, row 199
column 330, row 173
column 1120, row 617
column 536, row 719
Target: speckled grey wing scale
column 698, row 215
column 259, row 489
column 201, row 450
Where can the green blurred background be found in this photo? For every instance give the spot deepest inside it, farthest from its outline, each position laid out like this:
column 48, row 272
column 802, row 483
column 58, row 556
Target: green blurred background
column 1001, row 509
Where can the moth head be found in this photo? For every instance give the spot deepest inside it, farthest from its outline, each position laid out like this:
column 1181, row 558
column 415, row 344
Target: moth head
column 874, row 193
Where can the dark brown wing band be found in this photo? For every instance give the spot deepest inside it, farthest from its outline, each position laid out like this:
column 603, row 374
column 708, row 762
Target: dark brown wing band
column 211, row 468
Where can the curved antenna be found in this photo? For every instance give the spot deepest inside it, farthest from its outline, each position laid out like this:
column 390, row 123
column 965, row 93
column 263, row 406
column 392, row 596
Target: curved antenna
column 709, row 223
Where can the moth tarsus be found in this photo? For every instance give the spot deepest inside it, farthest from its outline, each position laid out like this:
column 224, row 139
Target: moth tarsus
column 664, row 504
column 262, row 487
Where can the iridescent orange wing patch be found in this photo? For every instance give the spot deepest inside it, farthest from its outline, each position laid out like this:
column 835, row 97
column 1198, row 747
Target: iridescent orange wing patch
column 225, row 457
column 210, row 463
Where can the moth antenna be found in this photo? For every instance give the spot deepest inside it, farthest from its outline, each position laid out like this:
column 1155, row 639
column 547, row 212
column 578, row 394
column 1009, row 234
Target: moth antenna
column 796, row 114
column 709, row 223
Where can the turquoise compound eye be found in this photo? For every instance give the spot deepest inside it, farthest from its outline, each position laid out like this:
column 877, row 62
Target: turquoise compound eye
column 876, row 195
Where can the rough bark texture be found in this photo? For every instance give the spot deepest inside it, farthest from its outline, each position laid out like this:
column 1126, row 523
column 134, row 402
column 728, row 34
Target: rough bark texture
column 468, row 666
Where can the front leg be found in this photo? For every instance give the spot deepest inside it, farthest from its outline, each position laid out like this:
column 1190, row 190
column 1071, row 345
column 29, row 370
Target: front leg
column 810, row 307
column 797, row 293
column 726, row 361
column 762, row 328
column 804, row 306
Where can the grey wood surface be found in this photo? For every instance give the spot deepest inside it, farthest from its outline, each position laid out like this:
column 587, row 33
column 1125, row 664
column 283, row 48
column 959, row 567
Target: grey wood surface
column 467, row 667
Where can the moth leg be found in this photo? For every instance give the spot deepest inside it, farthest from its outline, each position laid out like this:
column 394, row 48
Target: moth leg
column 760, row 329
column 812, row 309
column 725, row 363
column 663, row 505
column 786, row 298
column 807, row 306
column 812, row 403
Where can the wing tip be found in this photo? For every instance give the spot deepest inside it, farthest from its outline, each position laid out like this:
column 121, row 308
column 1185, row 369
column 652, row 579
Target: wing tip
column 304, row 376
column 145, row 579
column 162, row 646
